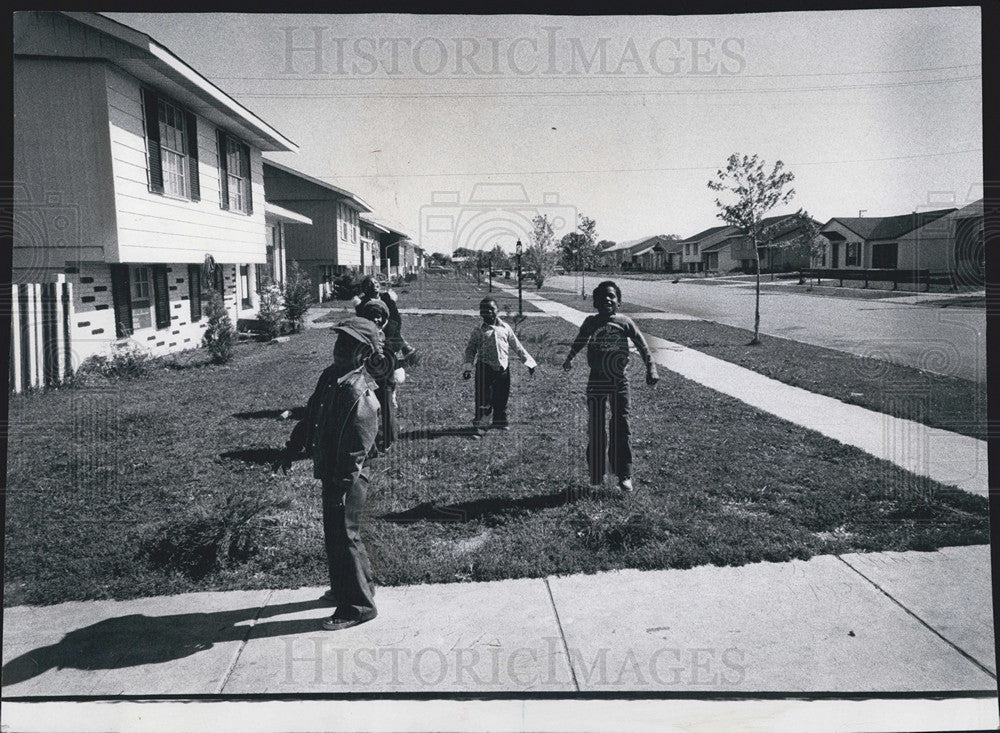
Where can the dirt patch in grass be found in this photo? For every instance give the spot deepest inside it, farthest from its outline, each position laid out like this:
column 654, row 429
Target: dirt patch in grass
column 950, row 403
column 113, row 489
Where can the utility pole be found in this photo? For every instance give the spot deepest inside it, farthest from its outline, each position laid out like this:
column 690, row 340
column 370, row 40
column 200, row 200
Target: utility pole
column 491, row 272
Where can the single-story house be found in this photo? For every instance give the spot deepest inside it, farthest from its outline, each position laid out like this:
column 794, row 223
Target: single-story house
column 872, row 242
column 692, row 247
column 139, row 183
column 953, row 243
column 782, row 249
column 644, row 253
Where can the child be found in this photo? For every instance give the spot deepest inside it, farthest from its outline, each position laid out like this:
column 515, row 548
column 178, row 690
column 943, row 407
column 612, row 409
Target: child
column 393, row 329
column 339, row 433
column 488, row 349
column 382, row 368
column 606, row 337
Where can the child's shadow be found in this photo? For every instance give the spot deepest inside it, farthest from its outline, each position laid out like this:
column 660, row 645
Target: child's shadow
column 431, row 434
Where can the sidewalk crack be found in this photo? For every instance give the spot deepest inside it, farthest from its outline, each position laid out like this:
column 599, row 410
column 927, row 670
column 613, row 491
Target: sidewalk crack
column 243, row 642
column 926, row 625
column 562, row 635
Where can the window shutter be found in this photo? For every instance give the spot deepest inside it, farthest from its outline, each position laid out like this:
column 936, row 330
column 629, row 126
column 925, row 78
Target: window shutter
column 151, row 107
column 246, row 154
column 194, row 291
column 121, row 295
column 161, row 296
column 192, row 143
column 223, row 171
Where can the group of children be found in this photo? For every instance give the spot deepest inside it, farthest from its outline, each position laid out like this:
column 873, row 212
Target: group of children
column 350, row 415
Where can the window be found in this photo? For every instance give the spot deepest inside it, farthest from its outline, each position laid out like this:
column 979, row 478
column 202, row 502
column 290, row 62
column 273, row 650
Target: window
column 885, row 256
column 234, row 174
column 140, row 284
column 219, row 281
column 140, row 297
column 853, row 254
column 245, row 285
column 194, row 291
column 171, row 148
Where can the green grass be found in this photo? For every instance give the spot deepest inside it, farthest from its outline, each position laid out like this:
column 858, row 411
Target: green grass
column 163, row 484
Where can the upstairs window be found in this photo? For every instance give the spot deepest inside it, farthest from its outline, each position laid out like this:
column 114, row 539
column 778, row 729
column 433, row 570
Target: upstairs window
column 234, row 174
column 171, row 148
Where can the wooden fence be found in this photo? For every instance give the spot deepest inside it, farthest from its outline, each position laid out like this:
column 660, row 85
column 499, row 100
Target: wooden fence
column 40, row 335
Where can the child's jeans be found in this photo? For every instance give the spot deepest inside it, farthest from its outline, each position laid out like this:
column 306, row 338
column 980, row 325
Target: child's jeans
column 616, row 449
column 492, row 393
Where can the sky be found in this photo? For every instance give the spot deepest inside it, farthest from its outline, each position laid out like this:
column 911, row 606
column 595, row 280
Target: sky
column 623, row 119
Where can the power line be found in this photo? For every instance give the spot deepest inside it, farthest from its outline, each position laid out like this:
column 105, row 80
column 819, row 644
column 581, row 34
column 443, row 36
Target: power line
column 594, row 93
column 637, row 170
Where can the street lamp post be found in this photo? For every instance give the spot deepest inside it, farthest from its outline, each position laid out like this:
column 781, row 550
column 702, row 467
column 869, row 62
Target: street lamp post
column 491, row 272
column 520, row 310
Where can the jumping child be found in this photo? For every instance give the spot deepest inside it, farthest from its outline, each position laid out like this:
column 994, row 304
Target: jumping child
column 488, row 349
column 606, row 335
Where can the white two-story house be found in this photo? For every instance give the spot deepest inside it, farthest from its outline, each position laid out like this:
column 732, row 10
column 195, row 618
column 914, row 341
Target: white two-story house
column 139, row 170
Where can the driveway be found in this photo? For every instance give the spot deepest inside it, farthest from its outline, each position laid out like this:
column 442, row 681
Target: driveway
column 948, row 341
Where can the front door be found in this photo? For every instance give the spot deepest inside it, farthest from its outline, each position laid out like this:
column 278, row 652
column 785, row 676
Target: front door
column 835, row 255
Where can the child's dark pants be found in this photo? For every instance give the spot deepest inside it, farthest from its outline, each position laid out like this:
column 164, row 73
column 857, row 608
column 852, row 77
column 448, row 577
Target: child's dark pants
column 492, row 392
column 603, row 391
column 350, row 570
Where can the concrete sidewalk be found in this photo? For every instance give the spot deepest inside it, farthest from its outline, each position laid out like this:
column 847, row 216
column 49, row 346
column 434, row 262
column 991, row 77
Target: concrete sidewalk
column 941, row 455
column 857, row 623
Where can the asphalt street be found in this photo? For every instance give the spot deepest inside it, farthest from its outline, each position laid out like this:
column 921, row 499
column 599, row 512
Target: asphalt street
column 948, row 341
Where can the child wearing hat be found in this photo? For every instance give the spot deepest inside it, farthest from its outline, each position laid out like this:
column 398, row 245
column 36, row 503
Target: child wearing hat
column 488, row 350
column 339, row 433
column 606, row 335
column 370, row 292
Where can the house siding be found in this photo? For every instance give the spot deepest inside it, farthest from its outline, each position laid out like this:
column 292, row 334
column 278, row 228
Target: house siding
column 93, row 328
column 64, row 198
column 157, row 228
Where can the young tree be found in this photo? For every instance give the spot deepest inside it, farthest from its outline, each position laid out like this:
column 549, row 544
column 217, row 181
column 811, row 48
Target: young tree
column 540, row 254
column 752, row 192
column 298, row 296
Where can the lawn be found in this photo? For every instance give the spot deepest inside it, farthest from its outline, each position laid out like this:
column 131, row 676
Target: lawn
column 951, row 403
column 163, row 484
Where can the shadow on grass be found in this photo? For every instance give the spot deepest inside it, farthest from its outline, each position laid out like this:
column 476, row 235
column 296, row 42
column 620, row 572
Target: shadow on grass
column 297, row 413
column 428, row 434
column 256, row 456
column 468, row 511
column 136, row 639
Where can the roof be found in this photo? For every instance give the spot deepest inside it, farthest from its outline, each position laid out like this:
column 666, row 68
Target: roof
column 706, row 233
column 632, row 244
column 146, row 59
column 887, row 227
column 342, row 192
column 387, row 228
column 273, row 211
column 722, row 243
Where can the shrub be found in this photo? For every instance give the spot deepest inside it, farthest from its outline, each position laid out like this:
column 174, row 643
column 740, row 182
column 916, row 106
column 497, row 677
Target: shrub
column 220, row 334
column 125, row 361
column 271, row 314
column 298, row 296
column 409, row 277
column 345, row 287
column 213, row 533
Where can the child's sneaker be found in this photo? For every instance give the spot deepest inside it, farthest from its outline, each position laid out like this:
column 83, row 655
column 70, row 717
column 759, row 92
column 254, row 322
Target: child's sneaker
column 625, row 484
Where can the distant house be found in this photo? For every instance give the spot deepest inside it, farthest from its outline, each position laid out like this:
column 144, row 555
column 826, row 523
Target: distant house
column 333, row 244
column 780, row 249
column 645, row 253
column 139, row 182
column 693, row 246
column 398, row 254
column 874, row 241
column 952, row 243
